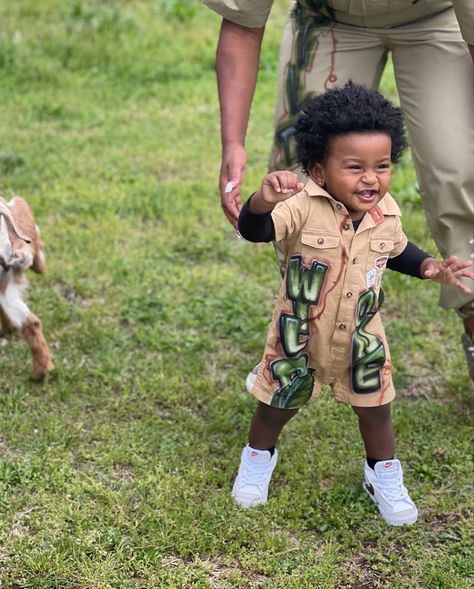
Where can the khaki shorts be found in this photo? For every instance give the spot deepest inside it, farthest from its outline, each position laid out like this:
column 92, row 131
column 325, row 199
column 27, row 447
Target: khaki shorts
column 308, row 386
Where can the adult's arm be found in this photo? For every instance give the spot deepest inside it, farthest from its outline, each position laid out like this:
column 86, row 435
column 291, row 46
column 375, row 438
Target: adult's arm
column 464, row 10
column 237, row 60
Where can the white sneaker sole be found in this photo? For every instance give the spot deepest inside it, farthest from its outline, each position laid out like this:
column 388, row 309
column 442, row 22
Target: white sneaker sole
column 393, row 520
column 248, row 503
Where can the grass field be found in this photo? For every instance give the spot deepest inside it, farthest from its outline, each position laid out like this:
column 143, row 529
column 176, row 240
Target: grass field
column 116, row 471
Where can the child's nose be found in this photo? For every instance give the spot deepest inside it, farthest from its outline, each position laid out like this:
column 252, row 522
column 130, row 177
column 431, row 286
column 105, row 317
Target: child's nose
column 369, row 178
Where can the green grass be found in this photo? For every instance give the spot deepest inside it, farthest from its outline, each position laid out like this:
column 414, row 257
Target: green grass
column 116, row 471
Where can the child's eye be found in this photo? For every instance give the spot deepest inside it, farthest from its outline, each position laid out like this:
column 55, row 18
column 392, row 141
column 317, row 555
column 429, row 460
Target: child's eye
column 384, row 167
column 354, row 167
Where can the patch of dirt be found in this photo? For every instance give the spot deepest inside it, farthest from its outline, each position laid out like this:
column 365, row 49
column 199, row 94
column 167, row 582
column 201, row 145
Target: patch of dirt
column 218, row 570
column 361, row 575
column 425, row 385
column 68, row 291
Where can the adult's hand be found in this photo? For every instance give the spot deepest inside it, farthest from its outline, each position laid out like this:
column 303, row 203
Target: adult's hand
column 234, row 158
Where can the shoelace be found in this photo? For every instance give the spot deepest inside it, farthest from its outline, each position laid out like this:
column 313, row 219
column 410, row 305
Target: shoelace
column 393, row 489
column 253, row 476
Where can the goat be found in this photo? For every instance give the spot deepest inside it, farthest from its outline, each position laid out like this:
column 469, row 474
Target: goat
column 21, row 248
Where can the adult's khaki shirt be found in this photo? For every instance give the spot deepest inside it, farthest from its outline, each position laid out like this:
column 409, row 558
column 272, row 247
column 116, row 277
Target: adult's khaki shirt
column 361, row 13
column 326, row 328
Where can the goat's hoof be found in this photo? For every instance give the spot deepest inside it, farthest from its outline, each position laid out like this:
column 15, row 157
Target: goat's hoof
column 39, row 372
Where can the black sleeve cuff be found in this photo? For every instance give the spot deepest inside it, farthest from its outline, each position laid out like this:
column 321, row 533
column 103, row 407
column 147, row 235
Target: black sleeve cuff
column 256, row 228
column 409, row 261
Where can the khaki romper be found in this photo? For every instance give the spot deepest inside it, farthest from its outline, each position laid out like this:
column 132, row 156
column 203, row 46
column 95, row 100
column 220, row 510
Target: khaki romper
column 326, row 328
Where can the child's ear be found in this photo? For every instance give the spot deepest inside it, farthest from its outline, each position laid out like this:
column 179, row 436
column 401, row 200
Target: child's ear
column 317, row 174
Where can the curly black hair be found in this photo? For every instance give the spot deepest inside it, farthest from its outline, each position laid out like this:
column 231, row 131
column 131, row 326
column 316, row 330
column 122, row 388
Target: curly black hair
column 350, row 109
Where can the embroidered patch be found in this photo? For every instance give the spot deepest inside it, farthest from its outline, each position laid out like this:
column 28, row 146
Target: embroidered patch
column 377, row 215
column 381, row 262
column 371, row 277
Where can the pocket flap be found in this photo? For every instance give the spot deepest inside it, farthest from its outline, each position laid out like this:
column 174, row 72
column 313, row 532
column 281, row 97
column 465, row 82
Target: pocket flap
column 320, row 240
column 381, row 245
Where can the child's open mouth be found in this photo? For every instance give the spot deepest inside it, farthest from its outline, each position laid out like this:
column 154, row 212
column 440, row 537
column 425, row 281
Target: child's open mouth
column 367, row 195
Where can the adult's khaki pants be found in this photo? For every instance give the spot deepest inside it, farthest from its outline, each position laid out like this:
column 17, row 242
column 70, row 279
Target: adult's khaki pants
column 435, row 82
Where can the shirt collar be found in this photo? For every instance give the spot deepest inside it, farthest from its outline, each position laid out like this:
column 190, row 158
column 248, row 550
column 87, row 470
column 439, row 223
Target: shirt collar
column 387, row 206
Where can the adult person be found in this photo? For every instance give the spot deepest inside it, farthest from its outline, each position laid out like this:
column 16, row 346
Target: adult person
column 329, row 42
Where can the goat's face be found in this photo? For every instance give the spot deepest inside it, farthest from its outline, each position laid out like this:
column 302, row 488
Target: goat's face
column 14, row 251
column 6, row 249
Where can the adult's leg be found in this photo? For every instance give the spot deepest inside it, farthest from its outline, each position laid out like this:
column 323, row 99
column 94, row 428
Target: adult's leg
column 435, row 80
column 317, row 54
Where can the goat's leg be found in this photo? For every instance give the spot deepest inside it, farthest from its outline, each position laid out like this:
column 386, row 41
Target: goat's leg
column 33, row 334
column 19, row 315
column 5, row 323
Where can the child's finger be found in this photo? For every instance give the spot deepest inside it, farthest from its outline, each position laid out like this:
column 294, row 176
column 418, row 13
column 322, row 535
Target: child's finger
column 460, row 265
column 464, row 272
column 449, row 261
column 274, row 181
column 461, row 286
column 289, row 182
column 431, row 271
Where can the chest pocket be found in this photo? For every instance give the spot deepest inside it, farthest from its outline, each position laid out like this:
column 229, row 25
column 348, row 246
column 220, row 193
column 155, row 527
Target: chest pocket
column 381, row 245
column 379, row 252
column 320, row 245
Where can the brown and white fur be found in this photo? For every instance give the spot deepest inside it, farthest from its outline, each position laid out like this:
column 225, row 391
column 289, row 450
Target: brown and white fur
column 20, row 249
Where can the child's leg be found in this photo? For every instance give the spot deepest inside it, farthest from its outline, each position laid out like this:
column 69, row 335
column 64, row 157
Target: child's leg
column 375, row 425
column 383, row 475
column 259, row 457
column 267, row 424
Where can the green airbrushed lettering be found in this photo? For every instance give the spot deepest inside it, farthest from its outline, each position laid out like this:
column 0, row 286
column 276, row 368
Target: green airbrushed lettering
column 296, row 382
column 368, row 352
column 303, row 288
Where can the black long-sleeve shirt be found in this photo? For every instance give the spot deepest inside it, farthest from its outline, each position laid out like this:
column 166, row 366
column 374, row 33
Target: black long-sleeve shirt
column 259, row 228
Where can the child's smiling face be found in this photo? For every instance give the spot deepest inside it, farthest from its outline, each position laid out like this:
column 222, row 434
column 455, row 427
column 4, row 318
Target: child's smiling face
column 357, row 170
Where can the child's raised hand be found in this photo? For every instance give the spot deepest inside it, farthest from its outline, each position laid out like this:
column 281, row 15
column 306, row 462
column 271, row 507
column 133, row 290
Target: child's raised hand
column 447, row 271
column 278, row 186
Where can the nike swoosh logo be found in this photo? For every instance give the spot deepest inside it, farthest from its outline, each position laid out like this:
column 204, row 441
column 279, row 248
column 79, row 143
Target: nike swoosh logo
column 370, row 489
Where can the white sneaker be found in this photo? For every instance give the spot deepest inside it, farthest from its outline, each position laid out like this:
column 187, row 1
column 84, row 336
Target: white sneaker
column 251, row 378
column 384, row 485
column 255, row 471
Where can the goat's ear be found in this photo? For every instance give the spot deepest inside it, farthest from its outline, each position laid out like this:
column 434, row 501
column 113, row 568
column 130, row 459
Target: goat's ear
column 39, row 260
column 25, row 216
column 5, row 242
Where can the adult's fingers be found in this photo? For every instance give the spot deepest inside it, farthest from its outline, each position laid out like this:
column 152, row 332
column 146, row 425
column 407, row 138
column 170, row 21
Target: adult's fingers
column 231, row 206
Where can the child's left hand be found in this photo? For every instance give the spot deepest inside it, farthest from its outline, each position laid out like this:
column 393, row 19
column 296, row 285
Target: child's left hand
column 447, row 271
